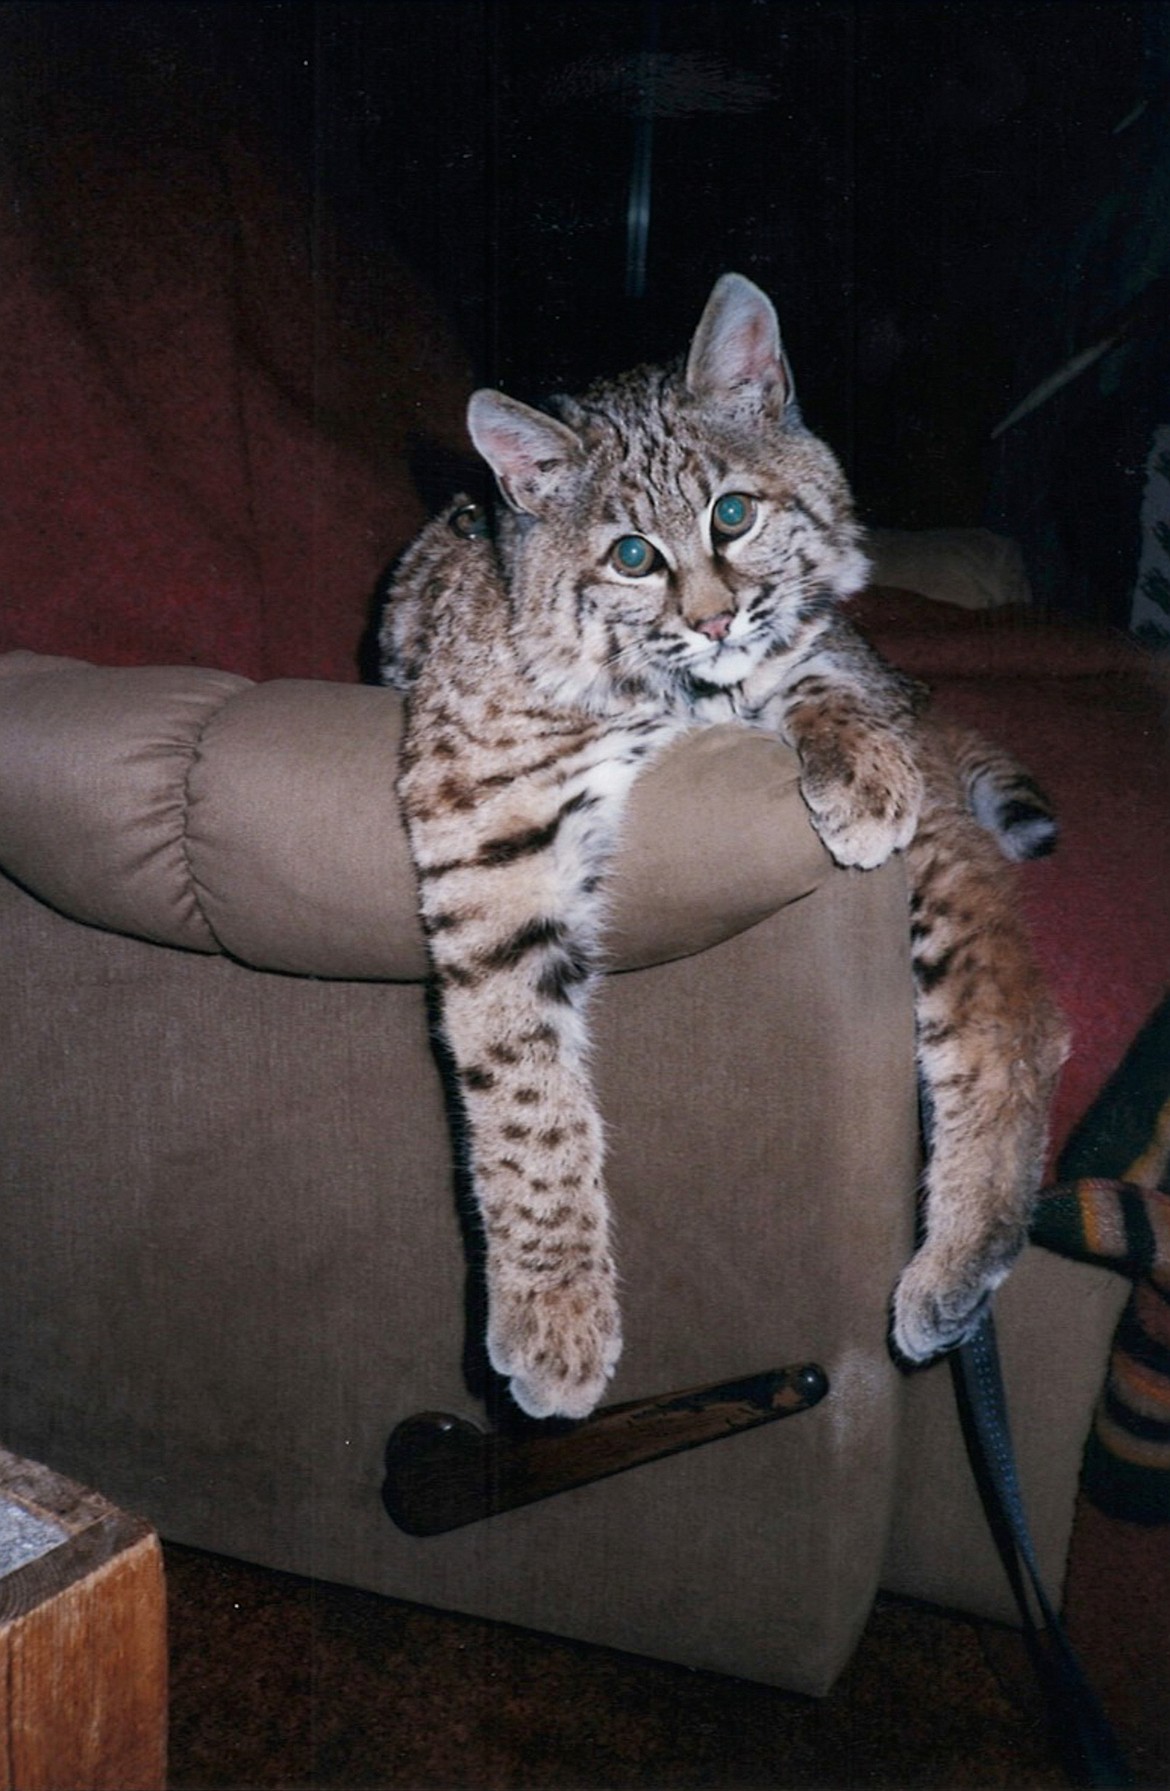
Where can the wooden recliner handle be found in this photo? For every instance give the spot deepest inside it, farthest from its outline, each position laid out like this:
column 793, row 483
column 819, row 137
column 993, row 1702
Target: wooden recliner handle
column 443, row 1471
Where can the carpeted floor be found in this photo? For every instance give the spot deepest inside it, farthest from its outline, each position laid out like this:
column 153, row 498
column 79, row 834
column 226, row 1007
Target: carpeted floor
column 283, row 1682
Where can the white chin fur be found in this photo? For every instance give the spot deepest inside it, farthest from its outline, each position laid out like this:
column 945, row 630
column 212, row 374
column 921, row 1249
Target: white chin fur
column 731, row 666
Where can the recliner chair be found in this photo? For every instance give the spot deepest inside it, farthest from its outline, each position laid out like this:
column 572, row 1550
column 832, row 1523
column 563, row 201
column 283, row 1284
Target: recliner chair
column 232, row 1257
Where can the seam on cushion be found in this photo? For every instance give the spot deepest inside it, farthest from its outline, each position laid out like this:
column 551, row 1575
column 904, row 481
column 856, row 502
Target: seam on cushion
column 194, row 754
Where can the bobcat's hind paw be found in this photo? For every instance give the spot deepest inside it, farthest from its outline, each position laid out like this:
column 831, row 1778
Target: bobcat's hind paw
column 938, row 1303
column 558, row 1345
column 863, row 818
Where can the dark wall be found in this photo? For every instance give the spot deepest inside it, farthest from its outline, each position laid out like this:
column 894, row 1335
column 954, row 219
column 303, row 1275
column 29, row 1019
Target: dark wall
column 887, row 171
column 906, row 179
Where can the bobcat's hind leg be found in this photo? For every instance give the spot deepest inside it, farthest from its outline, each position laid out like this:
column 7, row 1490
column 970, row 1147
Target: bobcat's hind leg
column 990, row 1043
column 989, row 1094
column 976, row 1226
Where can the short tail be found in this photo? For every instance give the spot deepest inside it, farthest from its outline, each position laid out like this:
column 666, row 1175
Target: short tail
column 1004, row 798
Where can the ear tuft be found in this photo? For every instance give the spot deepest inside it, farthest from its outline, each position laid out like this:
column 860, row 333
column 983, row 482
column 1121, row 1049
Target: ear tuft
column 736, row 354
column 531, row 454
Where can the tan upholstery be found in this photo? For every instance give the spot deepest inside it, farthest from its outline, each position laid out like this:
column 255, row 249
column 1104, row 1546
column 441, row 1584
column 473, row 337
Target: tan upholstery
column 260, row 820
column 232, row 1259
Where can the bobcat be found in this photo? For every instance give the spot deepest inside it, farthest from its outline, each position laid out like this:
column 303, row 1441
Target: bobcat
column 671, row 551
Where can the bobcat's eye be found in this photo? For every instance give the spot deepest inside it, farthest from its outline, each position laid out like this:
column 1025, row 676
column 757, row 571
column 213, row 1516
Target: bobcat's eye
column 733, row 515
column 634, row 556
column 470, row 521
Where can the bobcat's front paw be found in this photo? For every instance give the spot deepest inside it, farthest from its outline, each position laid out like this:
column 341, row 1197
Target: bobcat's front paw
column 940, row 1299
column 863, row 807
column 559, row 1343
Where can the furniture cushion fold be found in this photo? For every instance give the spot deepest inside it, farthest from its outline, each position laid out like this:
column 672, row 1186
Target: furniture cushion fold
column 197, row 809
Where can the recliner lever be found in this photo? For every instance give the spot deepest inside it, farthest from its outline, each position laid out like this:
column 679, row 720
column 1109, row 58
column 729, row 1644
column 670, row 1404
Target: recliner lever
column 443, row 1472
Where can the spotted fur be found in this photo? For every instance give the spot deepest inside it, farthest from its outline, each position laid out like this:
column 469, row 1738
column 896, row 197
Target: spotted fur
column 546, row 657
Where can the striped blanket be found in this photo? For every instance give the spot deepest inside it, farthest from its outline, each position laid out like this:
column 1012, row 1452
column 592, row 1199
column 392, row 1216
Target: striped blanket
column 1111, row 1205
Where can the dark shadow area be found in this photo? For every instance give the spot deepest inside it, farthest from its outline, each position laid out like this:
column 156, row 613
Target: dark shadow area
column 947, row 202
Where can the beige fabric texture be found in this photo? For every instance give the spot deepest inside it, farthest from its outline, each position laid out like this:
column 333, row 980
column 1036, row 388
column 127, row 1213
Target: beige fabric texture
column 232, row 1257
column 196, row 809
column 973, row 568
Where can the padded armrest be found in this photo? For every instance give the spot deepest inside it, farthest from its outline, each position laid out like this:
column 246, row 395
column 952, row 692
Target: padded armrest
column 194, row 808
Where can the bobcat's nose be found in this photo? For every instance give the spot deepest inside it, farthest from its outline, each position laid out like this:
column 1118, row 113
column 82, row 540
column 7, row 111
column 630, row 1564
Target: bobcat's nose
column 715, row 627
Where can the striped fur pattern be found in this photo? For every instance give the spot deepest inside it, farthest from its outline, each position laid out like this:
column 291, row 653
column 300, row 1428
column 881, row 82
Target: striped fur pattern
column 1003, row 797
column 989, row 1037
column 670, row 551
column 512, row 802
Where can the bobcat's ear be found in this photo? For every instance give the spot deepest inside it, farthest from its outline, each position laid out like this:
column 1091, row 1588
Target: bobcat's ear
column 531, row 454
column 736, row 354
